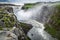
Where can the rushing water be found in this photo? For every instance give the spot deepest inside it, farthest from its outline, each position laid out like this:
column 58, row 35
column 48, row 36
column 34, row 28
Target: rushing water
column 36, row 16
column 40, row 13
column 37, row 32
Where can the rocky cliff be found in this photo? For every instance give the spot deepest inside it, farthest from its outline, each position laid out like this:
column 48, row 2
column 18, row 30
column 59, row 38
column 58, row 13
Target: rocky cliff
column 10, row 27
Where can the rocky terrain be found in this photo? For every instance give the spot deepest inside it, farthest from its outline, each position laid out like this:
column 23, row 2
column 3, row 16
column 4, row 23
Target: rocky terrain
column 10, row 27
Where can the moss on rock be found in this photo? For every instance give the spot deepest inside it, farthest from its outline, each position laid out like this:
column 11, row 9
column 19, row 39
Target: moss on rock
column 9, row 20
column 25, row 27
column 6, row 20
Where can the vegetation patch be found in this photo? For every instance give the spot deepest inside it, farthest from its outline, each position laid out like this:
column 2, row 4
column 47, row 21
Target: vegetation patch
column 25, row 27
column 26, row 6
column 53, row 26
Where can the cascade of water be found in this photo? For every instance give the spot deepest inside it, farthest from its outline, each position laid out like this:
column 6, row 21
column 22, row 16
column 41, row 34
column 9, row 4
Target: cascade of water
column 32, row 13
column 16, row 9
column 39, row 13
column 37, row 32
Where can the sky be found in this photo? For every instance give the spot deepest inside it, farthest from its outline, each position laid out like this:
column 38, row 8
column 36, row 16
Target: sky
column 28, row 1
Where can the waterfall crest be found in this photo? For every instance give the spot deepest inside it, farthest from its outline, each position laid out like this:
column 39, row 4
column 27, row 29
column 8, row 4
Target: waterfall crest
column 36, row 16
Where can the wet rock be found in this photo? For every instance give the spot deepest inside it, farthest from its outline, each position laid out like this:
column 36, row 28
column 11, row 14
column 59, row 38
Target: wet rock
column 7, row 35
column 10, row 26
column 26, row 27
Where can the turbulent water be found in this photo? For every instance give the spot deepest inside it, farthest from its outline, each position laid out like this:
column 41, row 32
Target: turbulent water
column 40, row 13
column 37, row 32
column 36, row 16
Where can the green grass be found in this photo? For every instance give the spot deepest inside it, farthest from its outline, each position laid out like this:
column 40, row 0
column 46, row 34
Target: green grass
column 50, row 30
column 26, row 6
column 53, row 26
column 1, row 28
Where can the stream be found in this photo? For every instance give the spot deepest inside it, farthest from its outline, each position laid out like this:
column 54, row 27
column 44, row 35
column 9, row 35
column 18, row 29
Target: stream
column 36, row 16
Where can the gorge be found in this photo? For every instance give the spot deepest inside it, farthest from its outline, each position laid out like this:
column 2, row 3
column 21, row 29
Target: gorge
column 27, row 23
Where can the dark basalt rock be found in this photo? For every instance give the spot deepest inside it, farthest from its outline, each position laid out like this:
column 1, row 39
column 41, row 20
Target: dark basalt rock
column 25, row 27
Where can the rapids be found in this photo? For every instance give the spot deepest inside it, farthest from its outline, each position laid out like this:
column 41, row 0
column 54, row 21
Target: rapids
column 36, row 16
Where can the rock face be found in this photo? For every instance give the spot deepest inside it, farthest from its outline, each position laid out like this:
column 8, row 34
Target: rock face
column 10, row 27
column 7, row 22
column 26, row 27
column 7, row 35
column 13, row 34
column 20, row 34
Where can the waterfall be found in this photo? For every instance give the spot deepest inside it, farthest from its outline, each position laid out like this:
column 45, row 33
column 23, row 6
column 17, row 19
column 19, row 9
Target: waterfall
column 36, row 16
column 37, row 32
column 40, row 13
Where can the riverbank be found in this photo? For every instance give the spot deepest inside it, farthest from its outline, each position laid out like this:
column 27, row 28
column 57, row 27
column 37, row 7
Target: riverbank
column 53, row 26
